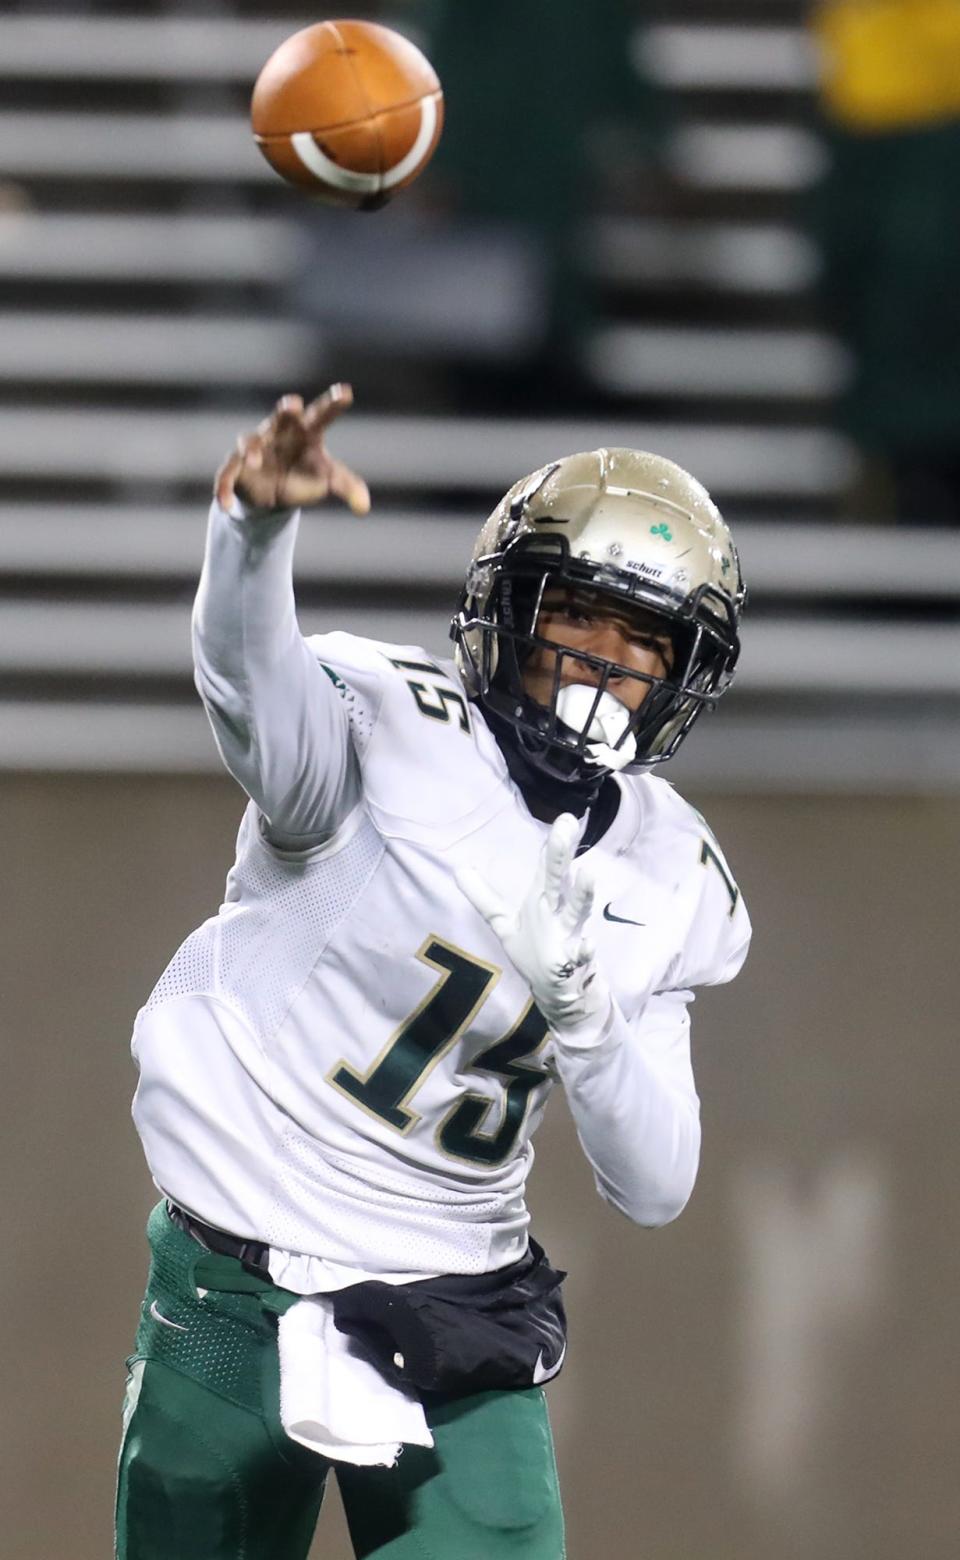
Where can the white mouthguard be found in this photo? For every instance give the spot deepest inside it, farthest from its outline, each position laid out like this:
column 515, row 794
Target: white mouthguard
column 610, row 719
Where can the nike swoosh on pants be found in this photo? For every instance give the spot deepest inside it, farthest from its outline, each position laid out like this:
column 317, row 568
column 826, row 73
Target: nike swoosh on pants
column 158, row 1317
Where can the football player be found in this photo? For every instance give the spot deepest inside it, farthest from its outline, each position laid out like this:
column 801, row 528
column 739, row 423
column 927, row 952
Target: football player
column 458, row 886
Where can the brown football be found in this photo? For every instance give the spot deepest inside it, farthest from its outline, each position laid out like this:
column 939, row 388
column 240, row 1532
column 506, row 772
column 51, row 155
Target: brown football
column 350, row 111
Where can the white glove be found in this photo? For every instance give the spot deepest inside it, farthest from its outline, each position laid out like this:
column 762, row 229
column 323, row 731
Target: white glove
column 544, row 937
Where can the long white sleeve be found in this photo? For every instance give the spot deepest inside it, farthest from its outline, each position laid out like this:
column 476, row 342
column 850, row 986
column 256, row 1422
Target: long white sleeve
column 279, row 723
column 635, row 1106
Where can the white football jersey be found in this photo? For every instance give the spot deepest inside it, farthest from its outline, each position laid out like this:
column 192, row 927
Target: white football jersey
column 342, row 1063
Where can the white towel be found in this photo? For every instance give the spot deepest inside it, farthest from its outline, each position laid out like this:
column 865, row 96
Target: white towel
column 333, row 1400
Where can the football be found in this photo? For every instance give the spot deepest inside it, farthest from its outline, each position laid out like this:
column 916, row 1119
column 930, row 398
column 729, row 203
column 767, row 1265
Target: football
column 350, row 111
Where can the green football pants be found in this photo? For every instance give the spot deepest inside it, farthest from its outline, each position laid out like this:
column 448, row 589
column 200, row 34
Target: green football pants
column 206, row 1471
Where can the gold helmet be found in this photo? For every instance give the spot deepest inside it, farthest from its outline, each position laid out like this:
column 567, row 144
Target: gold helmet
column 634, row 527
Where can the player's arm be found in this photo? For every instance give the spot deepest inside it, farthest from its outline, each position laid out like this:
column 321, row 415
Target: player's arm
column 635, row 1106
column 630, row 1087
column 279, row 724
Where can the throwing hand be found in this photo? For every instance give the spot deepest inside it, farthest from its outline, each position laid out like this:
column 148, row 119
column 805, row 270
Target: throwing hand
column 286, row 464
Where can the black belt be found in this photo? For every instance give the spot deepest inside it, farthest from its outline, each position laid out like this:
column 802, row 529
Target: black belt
column 252, row 1253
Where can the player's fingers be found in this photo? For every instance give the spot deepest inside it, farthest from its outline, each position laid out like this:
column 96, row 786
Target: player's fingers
column 345, row 484
column 289, row 441
column 225, row 478
column 557, row 856
column 283, row 428
column 284, row 407
column 484, row 899
column 321, row 412
column 586, row 952
column 579, row 900
column 267, row 427
column 250, row 450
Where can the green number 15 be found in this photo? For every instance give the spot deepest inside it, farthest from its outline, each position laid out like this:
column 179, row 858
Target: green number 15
column 425, row 1037
column 707, row 853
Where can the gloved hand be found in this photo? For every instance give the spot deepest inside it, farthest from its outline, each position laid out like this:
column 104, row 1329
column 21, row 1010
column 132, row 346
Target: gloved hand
column 544, row 937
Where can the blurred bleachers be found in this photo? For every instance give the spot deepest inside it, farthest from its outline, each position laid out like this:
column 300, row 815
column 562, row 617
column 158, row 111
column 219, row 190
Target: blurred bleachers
column 149, row 262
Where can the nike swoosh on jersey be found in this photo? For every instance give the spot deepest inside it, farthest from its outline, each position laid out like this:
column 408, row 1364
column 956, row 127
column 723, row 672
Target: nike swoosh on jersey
column 624, row 920
column 165, row 1319
column 543, row 1372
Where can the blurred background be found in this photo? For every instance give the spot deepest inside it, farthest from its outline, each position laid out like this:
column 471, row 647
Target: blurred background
column 725, row 230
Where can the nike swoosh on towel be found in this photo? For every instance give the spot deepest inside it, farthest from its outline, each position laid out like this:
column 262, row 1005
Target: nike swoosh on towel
column 165, row 1319
column 625, row 920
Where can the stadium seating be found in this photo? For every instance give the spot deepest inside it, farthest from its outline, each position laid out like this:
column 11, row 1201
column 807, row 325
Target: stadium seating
column 149, row 265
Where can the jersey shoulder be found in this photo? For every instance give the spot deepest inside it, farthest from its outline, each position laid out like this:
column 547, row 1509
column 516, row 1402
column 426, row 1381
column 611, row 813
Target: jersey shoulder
column 362, row 662
column 425, row 755
column 368, row 673
column 363, row 656
column 702, row 882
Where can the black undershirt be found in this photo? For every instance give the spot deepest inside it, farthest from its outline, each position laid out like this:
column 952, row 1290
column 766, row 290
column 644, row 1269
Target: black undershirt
column 547, row 797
